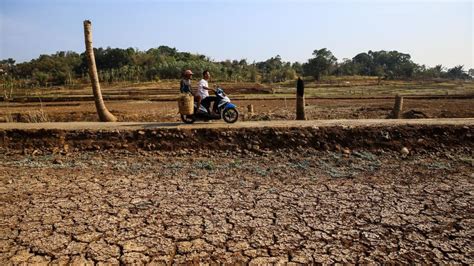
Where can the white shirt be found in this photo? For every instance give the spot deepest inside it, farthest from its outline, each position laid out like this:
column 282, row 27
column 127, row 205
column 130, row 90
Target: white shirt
column 201, row 91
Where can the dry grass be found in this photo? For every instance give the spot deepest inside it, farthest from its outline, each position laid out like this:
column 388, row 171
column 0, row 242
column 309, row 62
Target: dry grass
column 32, row 116
column 38, row 116
column 328, row 87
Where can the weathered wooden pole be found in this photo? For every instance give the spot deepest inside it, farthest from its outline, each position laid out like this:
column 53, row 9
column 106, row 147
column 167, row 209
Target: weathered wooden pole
column 397, row 108
column 300, row 114
column 250, row 109
column 104, row 114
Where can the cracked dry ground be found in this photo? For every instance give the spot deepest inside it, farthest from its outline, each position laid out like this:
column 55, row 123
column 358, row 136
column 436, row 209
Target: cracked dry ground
column 303, row 206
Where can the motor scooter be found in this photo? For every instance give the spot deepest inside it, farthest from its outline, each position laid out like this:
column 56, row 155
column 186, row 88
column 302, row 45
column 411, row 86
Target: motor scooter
column 223, row 107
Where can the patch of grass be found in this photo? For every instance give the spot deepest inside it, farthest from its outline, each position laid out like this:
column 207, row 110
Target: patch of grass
column 467, row 160
column 438, row 166
column 334, row 173
column 302, row 165
column 175, row 165
column 205, row 165
column 262, row 172
column 237, row 164
column 365, row 155
column 37, row 117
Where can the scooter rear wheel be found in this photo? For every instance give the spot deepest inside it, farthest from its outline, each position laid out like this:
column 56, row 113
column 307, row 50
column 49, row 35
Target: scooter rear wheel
column 188, row 119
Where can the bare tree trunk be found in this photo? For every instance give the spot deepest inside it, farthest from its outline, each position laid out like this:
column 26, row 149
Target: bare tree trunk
column 104, row 114
column 300, row 114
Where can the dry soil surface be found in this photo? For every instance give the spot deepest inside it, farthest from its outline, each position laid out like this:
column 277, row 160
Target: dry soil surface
column 263, row 110
column 301, row 206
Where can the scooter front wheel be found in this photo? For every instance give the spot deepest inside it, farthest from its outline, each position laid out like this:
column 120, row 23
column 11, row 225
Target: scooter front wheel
column 230, row 115
column 188, row 119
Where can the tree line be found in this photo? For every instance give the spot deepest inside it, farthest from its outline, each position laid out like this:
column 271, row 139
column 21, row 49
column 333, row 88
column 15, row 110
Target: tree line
column 163, row 62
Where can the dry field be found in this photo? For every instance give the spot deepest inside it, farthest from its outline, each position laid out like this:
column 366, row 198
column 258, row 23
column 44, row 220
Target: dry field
column 324, row 194
column 222, row 207
column 270, row 109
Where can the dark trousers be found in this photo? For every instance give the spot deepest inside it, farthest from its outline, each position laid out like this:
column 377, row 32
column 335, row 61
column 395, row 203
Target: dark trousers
column 207, row 102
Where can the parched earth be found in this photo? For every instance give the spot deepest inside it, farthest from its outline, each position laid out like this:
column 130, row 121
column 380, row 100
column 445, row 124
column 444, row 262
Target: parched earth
column 301, row 206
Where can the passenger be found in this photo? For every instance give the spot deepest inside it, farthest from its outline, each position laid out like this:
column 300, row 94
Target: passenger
column 185, row 84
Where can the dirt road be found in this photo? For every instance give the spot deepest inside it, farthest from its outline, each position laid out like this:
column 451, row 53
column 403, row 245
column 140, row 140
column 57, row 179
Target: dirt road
column 248, row 124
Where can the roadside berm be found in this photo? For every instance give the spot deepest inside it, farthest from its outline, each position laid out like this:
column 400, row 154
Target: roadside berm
column 255, row 136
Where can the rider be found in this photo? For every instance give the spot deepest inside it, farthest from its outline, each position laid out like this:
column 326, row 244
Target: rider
column 203, row 92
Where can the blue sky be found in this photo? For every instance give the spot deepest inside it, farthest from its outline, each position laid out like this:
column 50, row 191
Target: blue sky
column 433, row 32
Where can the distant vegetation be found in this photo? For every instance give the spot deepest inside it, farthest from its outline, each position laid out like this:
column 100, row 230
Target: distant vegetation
column 116, row 65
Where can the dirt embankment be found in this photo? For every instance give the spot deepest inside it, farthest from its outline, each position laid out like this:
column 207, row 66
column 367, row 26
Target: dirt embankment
column 424, row 137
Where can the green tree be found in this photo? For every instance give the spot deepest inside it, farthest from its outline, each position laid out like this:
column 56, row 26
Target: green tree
column 41, row 78
column 457, row 72
column 320, row 64
column 298, row 68
column 347, row 67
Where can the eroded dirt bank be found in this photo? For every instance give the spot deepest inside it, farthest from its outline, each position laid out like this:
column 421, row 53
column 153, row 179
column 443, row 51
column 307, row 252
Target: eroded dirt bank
column 237, row 139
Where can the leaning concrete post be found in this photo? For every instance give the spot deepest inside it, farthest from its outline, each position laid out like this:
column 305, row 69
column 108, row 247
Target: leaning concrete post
column 104, row 114
column 300, row 114
column 397, row 108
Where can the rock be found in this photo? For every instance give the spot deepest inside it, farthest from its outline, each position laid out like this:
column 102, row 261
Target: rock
column 404, row 151
column 413, row 114
column 57, row 161
column 325, row 147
